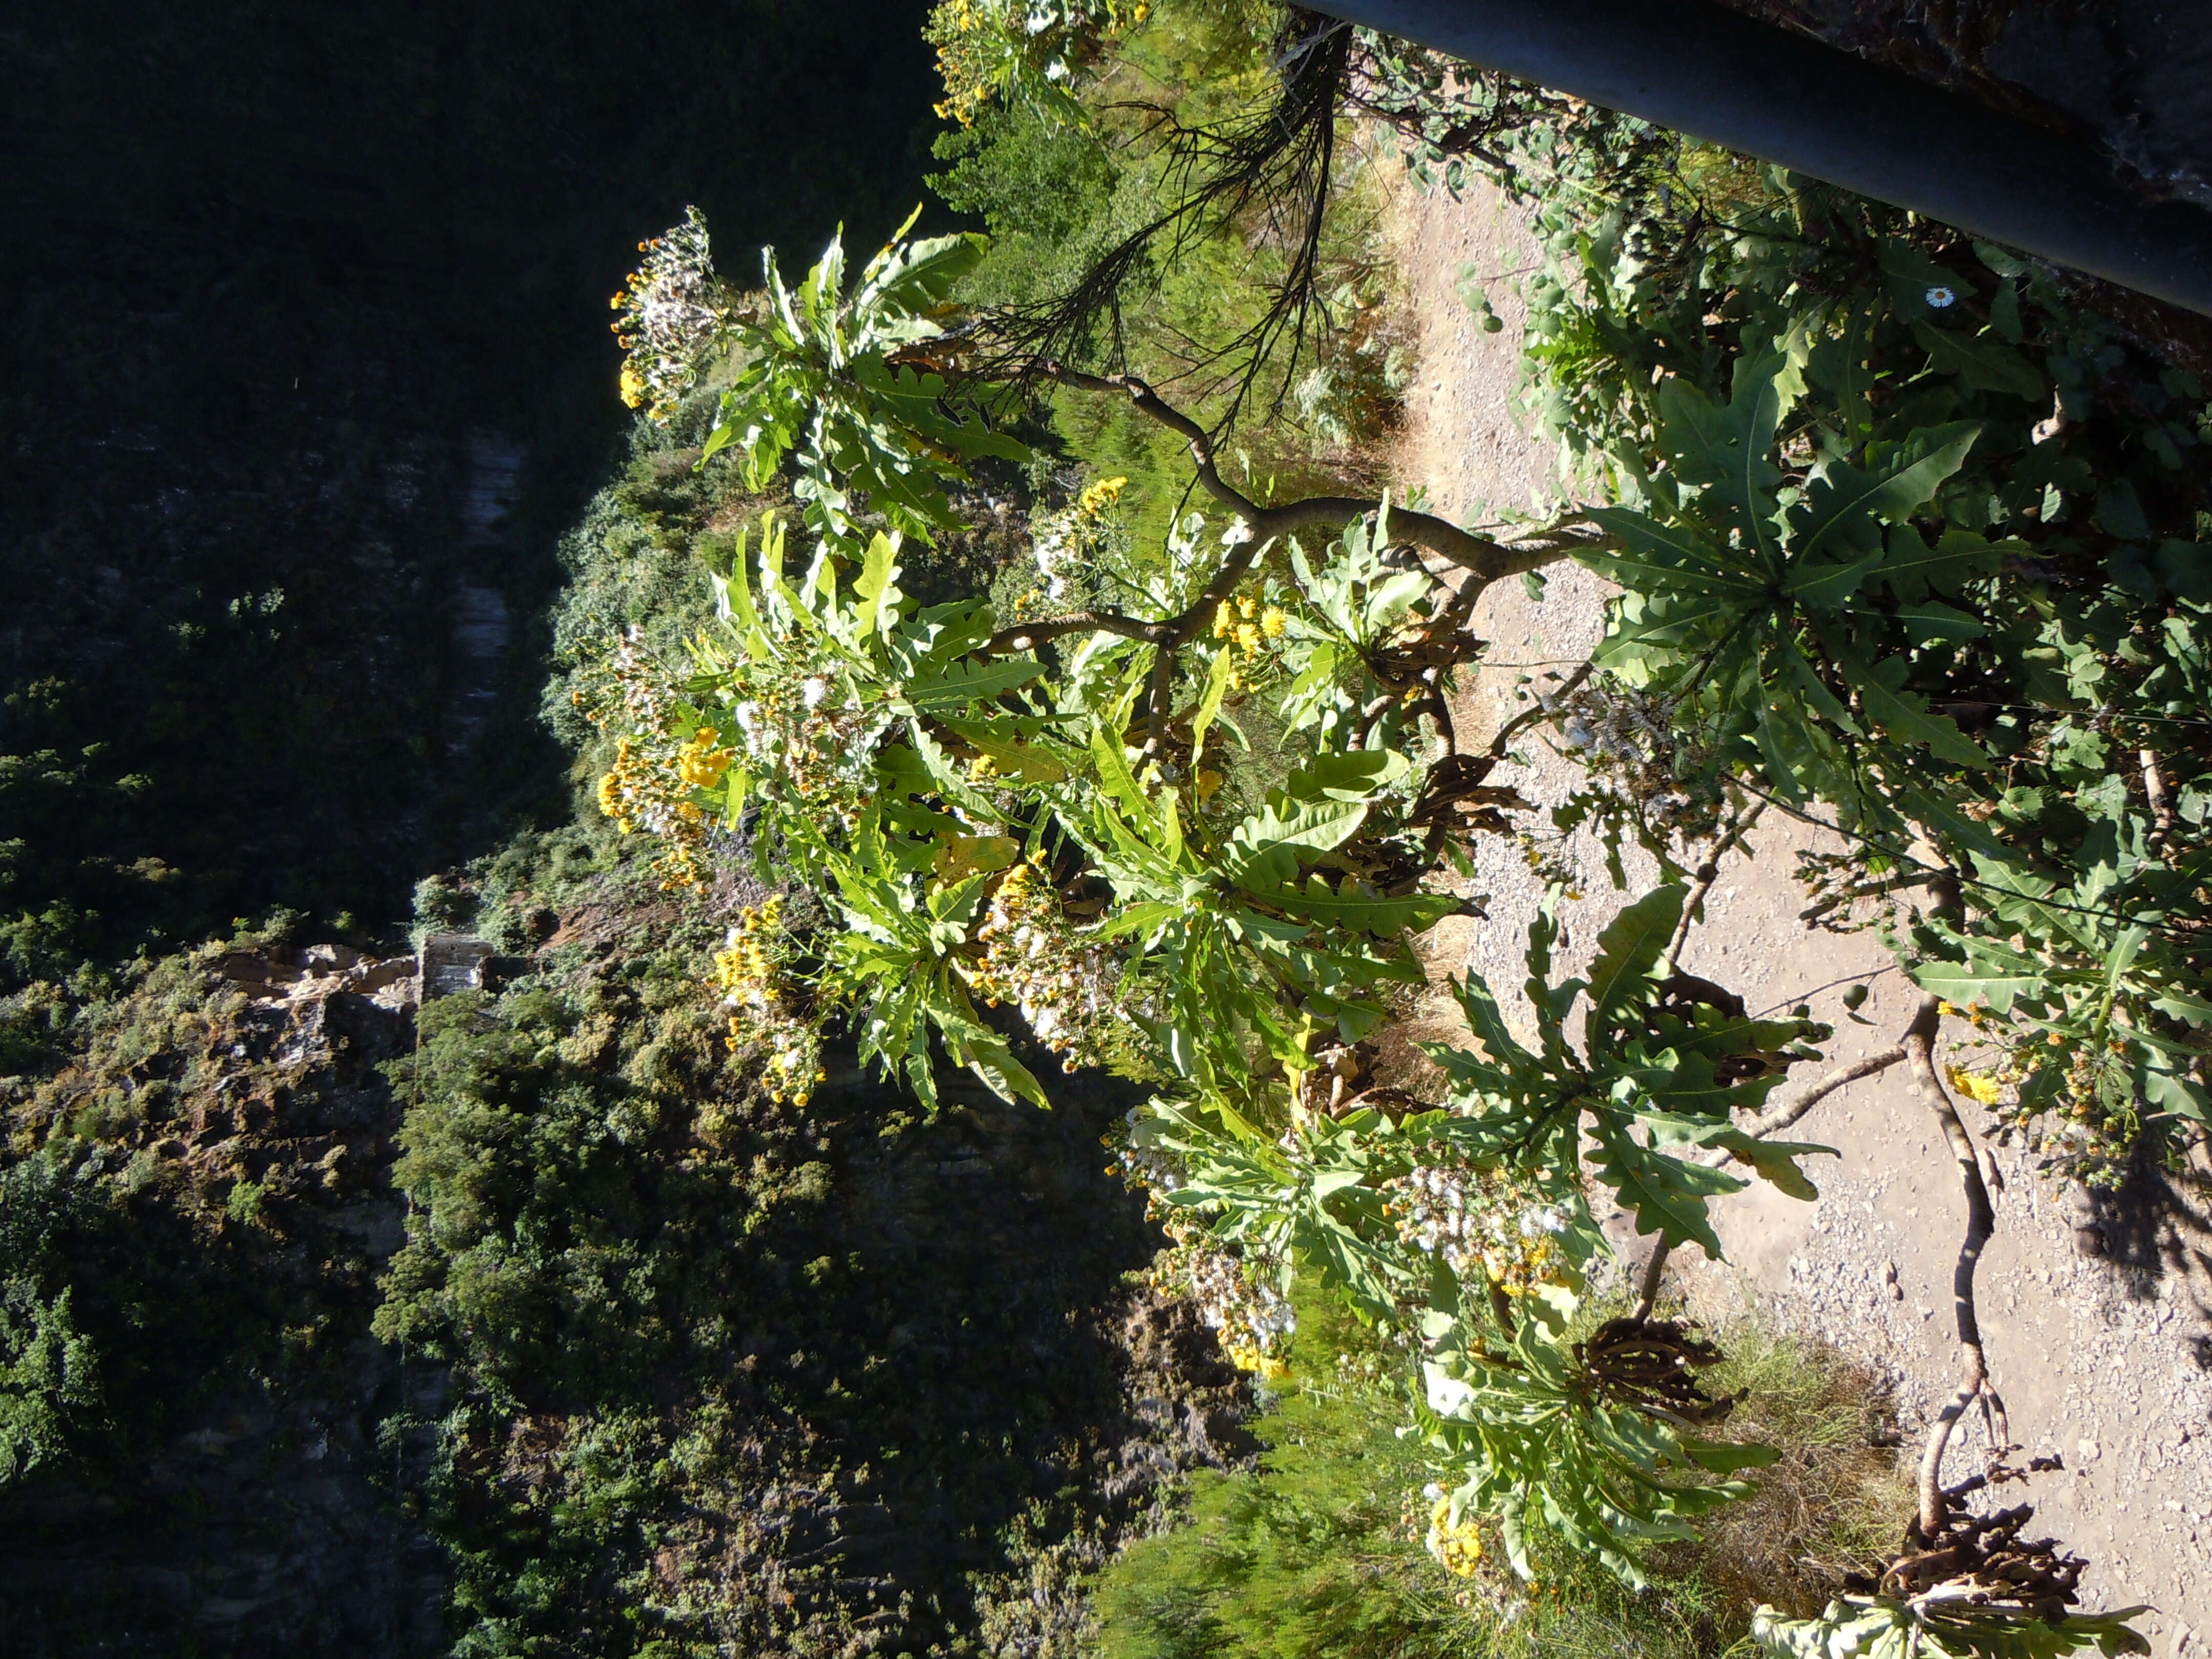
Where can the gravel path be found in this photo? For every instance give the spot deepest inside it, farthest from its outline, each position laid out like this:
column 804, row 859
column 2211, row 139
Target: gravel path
column 2097, row 1320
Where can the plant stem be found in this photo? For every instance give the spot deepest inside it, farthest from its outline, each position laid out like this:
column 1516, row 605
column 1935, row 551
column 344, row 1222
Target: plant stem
column 1707, row 874
column 1981, row 1222
column 2155, row 791
column 1647, row 1290
column 1487, row 559
column 1501, row 1310
column 1781, row 1117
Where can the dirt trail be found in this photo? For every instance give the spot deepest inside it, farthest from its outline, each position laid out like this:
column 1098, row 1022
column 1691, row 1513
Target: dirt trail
column 2098, row 1322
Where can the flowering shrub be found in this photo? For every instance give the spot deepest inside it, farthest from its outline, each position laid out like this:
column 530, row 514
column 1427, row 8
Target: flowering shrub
column 752, row 972
column 670, row 314
column 1025, row 50
column 1070, row 989
column 1021, row 814
column 1245, row 626
column 1237, row 1296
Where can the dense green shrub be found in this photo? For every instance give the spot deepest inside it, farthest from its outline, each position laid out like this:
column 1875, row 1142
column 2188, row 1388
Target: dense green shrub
column 729, row 1372
column 1319, row 1552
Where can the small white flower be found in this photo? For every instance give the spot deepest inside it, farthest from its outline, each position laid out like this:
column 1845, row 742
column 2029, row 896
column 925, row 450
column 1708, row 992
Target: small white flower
column 813, row 692
column 1939, row 296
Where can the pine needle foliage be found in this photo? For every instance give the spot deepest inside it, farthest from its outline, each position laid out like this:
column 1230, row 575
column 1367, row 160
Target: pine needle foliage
column 1316, row 1552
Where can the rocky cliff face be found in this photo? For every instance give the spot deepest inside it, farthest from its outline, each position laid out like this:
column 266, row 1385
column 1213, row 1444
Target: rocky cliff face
column 233, row 1120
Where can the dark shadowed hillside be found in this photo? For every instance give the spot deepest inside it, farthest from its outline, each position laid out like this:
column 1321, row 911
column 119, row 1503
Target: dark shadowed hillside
column 286, row 286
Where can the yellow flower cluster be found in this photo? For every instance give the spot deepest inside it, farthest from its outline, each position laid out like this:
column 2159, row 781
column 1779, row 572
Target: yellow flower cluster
column 621, row 791
column 668, row 316
column 1071, row 539
column 1097, row 497
column 1458, row 1549
column 699, row 763
column 647, row 789
column 1255, row 1362
column 1066, row 987
column 744, row 972
column 1984, row 1087
column 748, row 972
column 1252, row 1320
column 1248, row 625
column 972, row 51
column 1478, row 1220
column 1977, row 1014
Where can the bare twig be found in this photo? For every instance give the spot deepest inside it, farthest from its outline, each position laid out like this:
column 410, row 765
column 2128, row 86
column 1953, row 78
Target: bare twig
column 1027, row 636
column 1487, row 559
column 1834, row 902
column 1647, row 1289
column 1981, row 1222
column 1707, row 874
column 1779, row 1118
column 1529, row 717
column 1268, row 173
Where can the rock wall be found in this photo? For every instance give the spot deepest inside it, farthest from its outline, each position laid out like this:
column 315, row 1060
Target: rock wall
column 247, row 1503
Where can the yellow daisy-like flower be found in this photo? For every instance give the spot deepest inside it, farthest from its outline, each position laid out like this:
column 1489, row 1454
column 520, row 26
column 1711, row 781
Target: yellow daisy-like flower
column 699, row 763
column 1273, row 621
column 1458, row 1549
column 611, row 803
column 1979, row 1086
column 1250, row 1360
column 1100, row 496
